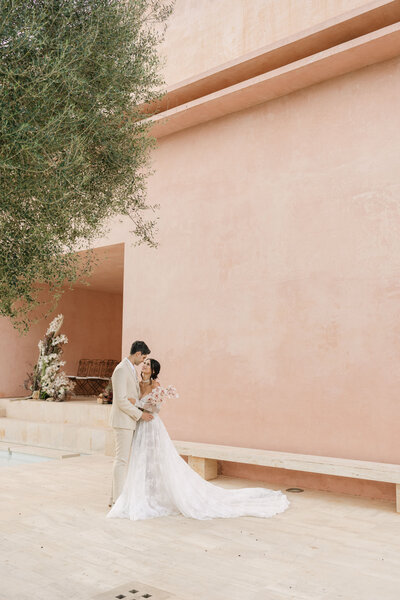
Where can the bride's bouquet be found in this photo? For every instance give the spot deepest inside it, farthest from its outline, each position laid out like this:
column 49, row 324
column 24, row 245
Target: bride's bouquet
column 158, row 396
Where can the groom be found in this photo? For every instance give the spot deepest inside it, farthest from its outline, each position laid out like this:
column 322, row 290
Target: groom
column 124, row 414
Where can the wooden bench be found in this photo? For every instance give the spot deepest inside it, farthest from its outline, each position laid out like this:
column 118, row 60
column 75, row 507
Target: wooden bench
column 203, row 459
column 93, row 376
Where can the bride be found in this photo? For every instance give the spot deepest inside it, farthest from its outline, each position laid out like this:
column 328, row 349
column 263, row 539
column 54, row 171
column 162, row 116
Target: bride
column 160, row 483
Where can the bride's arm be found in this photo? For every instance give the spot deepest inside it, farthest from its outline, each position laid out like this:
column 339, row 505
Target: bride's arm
column 133, row 400
column 154, row 385
column 151, row 405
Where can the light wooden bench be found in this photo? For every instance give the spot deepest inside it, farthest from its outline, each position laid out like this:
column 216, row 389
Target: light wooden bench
column 203, row 459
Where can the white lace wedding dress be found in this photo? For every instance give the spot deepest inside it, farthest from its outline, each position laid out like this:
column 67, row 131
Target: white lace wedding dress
column 160, row 483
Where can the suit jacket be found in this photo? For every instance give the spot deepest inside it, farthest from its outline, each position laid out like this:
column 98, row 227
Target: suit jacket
column 125, row 385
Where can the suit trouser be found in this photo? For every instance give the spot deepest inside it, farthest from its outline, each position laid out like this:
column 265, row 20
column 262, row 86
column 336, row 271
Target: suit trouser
column 123, row 442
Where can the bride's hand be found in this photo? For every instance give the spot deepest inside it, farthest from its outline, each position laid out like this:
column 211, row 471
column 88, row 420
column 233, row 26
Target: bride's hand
column 146, row 416
column 132, row 401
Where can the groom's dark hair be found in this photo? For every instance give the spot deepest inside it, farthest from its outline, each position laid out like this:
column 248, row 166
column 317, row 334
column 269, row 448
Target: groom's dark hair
column 140, row 347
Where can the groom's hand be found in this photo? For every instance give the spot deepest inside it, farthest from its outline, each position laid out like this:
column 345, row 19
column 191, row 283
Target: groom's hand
column 147, row 416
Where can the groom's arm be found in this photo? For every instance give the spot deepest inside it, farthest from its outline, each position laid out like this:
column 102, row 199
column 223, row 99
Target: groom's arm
column 120, row 396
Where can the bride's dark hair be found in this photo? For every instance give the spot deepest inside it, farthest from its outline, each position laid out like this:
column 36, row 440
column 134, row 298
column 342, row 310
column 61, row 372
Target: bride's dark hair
column 155, row 368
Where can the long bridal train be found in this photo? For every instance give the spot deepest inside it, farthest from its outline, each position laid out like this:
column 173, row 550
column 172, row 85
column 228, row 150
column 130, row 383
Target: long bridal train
column 160, row 483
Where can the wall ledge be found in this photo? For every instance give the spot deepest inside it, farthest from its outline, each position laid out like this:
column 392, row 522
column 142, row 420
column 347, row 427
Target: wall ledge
column 366, row 50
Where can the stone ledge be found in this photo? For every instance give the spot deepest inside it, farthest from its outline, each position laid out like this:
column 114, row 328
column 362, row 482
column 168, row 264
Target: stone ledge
column 85, row 413
column 62, row 436
column 364, row 51
column 338, row 30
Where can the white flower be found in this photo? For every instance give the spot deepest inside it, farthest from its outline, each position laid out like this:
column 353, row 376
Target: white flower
column 52, row 381
column 55, row 324
column 60, row 339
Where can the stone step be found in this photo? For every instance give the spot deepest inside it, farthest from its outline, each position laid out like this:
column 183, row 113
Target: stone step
column 85, row 413
column 63, row 436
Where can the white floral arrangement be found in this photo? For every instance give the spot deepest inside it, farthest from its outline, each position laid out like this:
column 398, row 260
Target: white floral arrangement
column 159, row 395
column 49, row 382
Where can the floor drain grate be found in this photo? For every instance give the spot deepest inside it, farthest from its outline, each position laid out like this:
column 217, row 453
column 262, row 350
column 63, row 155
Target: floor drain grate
column 135, row 591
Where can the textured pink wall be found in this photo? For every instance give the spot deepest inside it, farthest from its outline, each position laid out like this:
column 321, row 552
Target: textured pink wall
column 273, row 300
column 92, row 322
column 201, row 35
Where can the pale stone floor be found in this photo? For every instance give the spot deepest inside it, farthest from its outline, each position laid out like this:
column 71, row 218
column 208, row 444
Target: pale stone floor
column 56, row 544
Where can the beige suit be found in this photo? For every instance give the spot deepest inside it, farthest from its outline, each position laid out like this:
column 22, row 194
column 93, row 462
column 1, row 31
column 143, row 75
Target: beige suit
column 123, row 418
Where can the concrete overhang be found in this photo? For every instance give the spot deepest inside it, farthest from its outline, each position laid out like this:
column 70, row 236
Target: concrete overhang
column 349, row 42
column 107, row 274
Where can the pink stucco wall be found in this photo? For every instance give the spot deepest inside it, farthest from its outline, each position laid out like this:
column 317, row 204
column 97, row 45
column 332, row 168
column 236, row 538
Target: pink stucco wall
column 92, row 323
column 202, row 35
column 273, row 299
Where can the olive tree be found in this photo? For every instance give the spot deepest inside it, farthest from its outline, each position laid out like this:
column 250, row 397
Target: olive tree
column 74, row 141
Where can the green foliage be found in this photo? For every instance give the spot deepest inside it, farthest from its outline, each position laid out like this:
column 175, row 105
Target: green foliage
column 74, row 147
